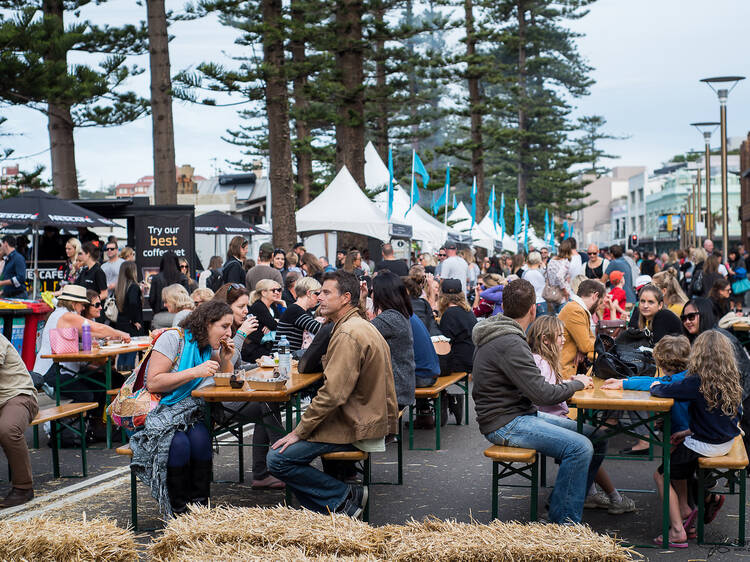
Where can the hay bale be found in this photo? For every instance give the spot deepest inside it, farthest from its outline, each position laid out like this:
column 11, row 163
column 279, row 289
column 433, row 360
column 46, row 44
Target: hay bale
column 434, row 539
column 242, row 552
column 317, row 535
column 45, row 538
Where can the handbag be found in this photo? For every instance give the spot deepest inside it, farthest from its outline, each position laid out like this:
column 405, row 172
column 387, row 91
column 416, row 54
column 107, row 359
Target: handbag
column 607, row 363
column 741, row 286
column 551, row 293
column 611, row 328
column 110, row 309
column 629, row 344
column 63, row 340
column 133, row 401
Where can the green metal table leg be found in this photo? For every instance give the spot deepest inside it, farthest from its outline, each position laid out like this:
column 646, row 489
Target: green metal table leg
column 35, row 432
column 400, row 452
column 411, row 427
column 298, row 404
column 133, row 500
column 57, row 437
column 108, row 386
column 241, row 453
column 438, row 419
column 701, row 499
column 534, row 490
column 494, row 490
column 466, row 400
column 665, row 453
column 366, row 481
column 743, row 482
column 288, row 407
column 82, row 425
column 543, row 468
column 55, row 451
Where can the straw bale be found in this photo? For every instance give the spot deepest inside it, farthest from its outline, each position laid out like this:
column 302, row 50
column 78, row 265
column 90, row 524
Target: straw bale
column 330, row 535
column 434, row 539
column 45, row 538
column 242, row 552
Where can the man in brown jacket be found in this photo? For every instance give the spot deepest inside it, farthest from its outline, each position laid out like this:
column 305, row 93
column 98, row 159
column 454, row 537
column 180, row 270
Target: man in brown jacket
column 354, row 409
column 576, row 317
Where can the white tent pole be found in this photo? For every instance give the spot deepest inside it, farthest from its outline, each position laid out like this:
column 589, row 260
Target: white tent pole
column 411, row 199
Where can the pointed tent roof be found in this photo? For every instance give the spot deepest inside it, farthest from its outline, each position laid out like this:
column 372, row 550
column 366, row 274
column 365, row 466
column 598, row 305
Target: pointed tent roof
column 343, row 206
column 461, row 217
column 485, row 236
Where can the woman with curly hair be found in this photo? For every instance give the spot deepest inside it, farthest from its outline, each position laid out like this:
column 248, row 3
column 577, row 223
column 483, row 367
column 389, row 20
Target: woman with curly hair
column 172, row 452
column 714, row 394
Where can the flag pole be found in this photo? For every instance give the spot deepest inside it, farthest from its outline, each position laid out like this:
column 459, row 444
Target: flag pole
column 447, row 198
column 413, row 156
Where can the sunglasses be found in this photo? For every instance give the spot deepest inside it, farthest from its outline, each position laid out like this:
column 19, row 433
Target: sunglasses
column 441, row 255
column 111, row 249
column 593, row 253
column 276, row 290
column 96, row 305
column 689, row 317
column 183, row 267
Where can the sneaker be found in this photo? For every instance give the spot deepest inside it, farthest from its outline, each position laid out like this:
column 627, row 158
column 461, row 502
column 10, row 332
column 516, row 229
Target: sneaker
column 268, row 483
column 599, row 500
column 354, row 504
column 16, row 496
column 625, row 505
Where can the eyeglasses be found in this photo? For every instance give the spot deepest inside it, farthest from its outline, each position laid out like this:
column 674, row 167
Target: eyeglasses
column 183, row 267
column 96, row 304
column 689, row 317
column 276, row 290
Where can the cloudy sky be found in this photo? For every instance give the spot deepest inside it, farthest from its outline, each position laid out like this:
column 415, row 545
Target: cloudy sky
column 648, row 57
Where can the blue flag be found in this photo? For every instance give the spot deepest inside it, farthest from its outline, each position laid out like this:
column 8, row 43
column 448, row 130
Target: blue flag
column 454, row 202
column 501, row 219
column 474, row 202
column 442, row 201
column 390, row 184
column 551, row 232
column 492, row 211
column 417, row 168
column 565, row 229
column 516, row 222
column 526, row 229
column 546, row 226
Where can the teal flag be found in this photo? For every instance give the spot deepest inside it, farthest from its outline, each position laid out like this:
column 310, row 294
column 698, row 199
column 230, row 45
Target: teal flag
column 443, row 199
column 390, row 184
column 516, row 222
column 525, row 229
column 501, row 219
column 474, row 202
column 491, row 205
column 417, row 168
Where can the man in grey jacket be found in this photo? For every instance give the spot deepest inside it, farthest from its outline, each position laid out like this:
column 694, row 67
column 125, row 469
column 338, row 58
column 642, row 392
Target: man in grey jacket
column 507, row 384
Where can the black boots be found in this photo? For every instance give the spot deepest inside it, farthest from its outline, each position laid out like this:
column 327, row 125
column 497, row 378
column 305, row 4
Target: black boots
column 200, row 482
column 178, row 482
column 456, row 406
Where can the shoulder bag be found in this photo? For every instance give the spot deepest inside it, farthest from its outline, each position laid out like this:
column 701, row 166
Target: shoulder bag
column 133, row 401
column 551, row 293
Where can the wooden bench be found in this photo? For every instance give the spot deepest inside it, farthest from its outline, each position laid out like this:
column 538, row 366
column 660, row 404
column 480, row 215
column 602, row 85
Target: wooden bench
column 434, row 394
column 355, row 456
column 505, row 457
column 55, row 415
column 733, row 467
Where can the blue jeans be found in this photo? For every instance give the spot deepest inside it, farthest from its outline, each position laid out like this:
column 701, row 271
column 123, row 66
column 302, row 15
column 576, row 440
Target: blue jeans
column 315, row 490
column 557, row 437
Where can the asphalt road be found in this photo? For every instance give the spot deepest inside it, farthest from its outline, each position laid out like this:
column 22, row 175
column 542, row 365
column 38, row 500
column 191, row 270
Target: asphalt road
column 451, row 483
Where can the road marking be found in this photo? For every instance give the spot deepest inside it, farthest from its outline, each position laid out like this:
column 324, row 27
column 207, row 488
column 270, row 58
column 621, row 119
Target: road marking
column 81, row 490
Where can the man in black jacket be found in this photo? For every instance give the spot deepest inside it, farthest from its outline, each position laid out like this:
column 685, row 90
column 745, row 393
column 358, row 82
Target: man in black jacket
column 507, row 384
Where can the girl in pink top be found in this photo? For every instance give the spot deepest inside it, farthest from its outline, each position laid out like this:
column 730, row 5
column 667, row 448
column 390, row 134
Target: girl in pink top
column 546, row 337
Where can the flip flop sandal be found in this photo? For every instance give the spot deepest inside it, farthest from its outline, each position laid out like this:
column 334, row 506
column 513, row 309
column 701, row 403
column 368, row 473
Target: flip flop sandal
column 658, row 541
column 713, row 507
column 689, row 524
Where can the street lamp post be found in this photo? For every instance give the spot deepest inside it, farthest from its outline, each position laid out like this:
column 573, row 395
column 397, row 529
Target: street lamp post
column 707, row 129
column 725, row 84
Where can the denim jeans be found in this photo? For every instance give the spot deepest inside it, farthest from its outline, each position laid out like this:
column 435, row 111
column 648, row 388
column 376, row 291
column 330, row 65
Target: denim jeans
column 315, row 490
column 557, row 437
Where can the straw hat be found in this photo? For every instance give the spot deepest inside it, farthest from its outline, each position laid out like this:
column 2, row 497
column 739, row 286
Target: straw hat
column 73, row 293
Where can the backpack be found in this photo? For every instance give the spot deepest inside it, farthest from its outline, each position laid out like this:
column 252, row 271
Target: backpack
column 215, row 280
column 696, row 286
column 110, row 309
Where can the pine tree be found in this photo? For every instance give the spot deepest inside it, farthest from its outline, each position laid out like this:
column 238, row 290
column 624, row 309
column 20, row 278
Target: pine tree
column 34, row 72
column 588, row 144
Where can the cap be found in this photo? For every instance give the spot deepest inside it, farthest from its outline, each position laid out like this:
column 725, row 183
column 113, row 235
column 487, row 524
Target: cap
column 642, row 280
column 73, row 293
column 450, row 246
column 266, row 248
column 451, row 286
column 616, row 276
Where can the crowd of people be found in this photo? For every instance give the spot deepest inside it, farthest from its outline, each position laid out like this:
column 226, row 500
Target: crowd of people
column 525, row 326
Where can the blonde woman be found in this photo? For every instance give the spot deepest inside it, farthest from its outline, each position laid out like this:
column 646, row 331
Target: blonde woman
column 200, row 296
column 296, row 319
column 127, row 254
column 674, row 297
column 178, row 302
column 265, row 305
column 70, row 269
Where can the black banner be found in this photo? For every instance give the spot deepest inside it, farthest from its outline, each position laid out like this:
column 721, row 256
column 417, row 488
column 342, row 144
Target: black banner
column 156, row 235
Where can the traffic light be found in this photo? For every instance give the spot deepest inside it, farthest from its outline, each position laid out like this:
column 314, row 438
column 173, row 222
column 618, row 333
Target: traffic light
column 633, row 241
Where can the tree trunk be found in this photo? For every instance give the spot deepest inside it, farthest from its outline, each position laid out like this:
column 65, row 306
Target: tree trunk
column 475, row 112
column 523, row 144
column 381, row 120
column 350, row 126
column 279, row 142
column 412, row 79
column 60, row 122
column 303, row 148
column 162, row 125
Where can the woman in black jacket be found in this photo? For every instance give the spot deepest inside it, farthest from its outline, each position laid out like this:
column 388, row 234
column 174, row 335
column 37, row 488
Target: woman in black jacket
column 265, row 305
column 420, row 306
column 129, row 301
column 650, row 314
column 169, row 274
column 233, row 270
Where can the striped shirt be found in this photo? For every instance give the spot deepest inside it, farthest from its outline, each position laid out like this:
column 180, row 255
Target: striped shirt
column 293, row 324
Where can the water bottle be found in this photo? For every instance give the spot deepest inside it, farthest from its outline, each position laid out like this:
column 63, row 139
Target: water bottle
column 86, row 336
column 285, row 357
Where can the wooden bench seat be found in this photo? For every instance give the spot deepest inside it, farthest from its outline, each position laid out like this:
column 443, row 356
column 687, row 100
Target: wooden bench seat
column 56, row 415
column 124, row 450
column 63, row 411
column 505, row 457
column 510, row 454
column 733, row 467
column 434, row 393
column 440, row 385
column 736, row 458
column 345, row 456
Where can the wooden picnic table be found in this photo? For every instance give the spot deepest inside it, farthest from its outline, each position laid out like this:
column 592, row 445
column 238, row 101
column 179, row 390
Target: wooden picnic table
column 103, row 354
column 595, row 406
